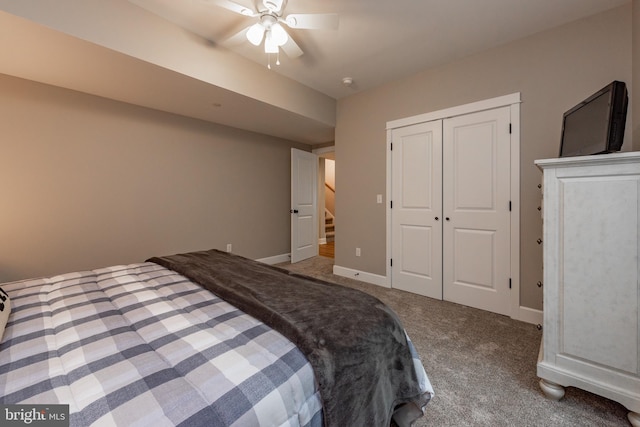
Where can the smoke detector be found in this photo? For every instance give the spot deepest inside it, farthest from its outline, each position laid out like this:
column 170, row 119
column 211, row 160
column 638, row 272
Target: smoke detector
column 347, row 81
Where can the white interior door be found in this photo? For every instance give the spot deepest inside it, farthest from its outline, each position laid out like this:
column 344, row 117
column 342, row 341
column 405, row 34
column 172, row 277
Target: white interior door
column 416, row 217
column 476, row 207
column 304, row 205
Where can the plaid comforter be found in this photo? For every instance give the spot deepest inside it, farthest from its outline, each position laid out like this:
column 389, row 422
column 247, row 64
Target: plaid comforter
column 141, row 345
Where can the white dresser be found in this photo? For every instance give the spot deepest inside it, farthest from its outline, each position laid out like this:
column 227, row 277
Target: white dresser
column 591, row 332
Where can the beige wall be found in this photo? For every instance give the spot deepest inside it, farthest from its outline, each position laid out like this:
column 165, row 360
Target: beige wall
column 88, row 182
column 553, row 71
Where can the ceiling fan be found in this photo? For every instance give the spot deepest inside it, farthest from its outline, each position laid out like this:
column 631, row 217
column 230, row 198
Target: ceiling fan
column 270, row 14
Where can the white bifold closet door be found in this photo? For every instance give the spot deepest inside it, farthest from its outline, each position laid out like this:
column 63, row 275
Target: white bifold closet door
column 451, row 213
column 416, row 219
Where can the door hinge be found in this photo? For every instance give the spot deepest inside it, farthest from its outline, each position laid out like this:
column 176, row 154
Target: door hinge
column 391, row 204
column 392, row 146
column 509, row 127
column 509, row 205
column 509, row 282
column 391, row 262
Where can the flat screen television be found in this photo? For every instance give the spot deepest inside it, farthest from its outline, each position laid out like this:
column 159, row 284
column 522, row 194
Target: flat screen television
column 596, row 125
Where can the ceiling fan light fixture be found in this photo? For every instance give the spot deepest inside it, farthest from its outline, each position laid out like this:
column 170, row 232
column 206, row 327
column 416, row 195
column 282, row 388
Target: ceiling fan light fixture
column 278, row 34
column 255, row 34
column 270, row 46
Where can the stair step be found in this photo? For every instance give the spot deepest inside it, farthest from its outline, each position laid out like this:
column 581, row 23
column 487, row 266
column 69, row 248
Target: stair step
column 329, row 228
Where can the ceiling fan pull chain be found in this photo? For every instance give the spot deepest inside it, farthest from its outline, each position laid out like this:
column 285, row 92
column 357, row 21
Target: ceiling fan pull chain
column 268, row 60
column 278, row 57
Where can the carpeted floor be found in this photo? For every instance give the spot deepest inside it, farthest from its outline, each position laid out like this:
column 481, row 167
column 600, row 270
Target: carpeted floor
column 482, row 365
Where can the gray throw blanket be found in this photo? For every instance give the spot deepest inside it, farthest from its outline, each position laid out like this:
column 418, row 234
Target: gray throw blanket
column 354, row 342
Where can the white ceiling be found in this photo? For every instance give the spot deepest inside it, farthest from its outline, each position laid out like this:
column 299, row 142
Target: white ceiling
column 382, row 40
column 168, row 54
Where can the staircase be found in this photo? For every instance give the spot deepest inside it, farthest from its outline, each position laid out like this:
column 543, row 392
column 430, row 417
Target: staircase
column 329, row 226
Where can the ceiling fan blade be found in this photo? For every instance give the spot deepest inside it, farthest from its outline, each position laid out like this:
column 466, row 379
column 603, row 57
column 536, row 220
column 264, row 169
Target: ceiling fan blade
column 291, row 48
column 234, row 7
column 313, row 21
column 236, row 39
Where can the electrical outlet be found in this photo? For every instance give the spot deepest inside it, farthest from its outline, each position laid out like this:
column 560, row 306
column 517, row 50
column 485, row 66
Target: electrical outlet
column 358, row 252
column 228, row 247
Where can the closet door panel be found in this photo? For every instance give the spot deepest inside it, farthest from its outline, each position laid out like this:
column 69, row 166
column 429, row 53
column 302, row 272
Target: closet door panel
column 416, row 216
column 473, row 150
column 476, row 230
column 474, row 251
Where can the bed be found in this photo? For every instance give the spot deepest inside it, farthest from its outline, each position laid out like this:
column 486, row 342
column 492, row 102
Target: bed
column 207, row 339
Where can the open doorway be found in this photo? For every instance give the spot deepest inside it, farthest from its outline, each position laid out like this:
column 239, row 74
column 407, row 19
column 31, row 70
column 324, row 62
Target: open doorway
column 326, row 202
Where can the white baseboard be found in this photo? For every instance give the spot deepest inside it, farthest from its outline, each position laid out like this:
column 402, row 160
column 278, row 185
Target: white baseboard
column 363, row 276
column 277, row 259
column 529, row 315
column 322, row 241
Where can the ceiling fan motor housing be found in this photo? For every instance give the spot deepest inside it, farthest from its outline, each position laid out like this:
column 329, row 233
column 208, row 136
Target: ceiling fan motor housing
column 268, row 20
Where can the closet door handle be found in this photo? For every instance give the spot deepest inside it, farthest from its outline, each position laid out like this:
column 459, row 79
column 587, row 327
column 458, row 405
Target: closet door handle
column 437, row 218
column 447, row 218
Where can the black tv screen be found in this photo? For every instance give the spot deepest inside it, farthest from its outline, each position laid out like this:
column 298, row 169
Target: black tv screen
column 596, row 125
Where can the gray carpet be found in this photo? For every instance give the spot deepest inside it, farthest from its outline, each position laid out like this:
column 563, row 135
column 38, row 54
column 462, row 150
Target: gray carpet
column 482, row 365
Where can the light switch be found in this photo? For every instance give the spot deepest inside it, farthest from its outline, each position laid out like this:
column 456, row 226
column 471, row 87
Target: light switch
column 379, row 198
